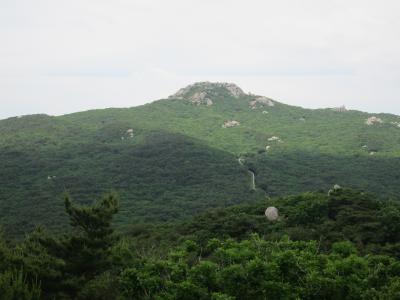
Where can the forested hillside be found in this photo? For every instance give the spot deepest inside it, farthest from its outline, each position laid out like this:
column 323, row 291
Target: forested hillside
column 343, row 214
column 344, row 245
column 179, row 156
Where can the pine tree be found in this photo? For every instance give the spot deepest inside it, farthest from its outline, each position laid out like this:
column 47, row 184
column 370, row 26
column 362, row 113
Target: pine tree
column 86, row 249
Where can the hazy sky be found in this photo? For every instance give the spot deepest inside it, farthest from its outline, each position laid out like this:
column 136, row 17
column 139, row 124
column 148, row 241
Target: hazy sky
column 61, row 56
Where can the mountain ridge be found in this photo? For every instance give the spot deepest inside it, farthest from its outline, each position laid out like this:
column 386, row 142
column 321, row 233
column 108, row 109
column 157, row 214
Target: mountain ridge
column 289, row 149
column 204, row 86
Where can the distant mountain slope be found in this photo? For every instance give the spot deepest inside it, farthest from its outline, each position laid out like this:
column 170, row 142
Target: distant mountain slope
column 174, row 157
column 167, row 176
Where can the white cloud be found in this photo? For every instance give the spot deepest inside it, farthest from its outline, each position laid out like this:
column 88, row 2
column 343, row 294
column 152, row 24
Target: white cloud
column 60, row 56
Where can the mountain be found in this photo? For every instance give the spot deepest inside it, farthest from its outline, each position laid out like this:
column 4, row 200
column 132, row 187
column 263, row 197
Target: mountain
column 196, row 150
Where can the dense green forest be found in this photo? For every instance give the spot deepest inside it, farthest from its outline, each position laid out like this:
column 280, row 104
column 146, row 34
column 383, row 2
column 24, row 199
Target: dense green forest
column 344, row 245
column 180, row 216
column 162, row 179
column 175, row 157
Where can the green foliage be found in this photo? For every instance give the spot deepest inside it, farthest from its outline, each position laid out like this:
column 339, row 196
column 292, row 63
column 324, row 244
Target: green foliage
column 344, row 215
column 35, row 259
column 180, row 161
column 166, row 177
column 320, row 248
column 76, row 265
column 259, row 269
column 103, row 287
column 87, row 250
column 15, row 286
column 344, row 249
column 4, row 252
column 296, row 172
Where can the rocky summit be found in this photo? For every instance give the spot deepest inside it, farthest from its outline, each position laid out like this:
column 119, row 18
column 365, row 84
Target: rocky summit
column 203, row 92
column 206, row 93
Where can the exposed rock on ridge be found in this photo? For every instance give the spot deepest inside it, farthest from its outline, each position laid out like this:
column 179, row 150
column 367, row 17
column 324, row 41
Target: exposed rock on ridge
column 261, row 101
column 200, row 92
column 204, row 93
column 373, row 120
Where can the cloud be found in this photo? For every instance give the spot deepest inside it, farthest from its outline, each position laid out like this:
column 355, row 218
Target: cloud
column 89, row 73
column 62, row 56
column 270, row 72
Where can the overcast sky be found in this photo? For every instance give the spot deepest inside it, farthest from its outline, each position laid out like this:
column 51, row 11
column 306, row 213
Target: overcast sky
column 62, row 56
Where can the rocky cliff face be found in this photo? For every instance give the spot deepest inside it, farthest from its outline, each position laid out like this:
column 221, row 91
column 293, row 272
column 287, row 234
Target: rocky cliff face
column 205, row 93
column 202, row 93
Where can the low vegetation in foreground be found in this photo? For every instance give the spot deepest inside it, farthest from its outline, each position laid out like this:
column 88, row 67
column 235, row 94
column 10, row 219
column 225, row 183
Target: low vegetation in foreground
column 338, row 246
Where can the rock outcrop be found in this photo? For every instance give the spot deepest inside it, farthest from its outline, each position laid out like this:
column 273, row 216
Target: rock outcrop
column 200, row 98
column 373, row 120
column 206, row 93
column 129, row 132
column 336, row 188
column 233, row 89
column 230, row 123
column 274, row 139
column 202, row 92
column 261, row 101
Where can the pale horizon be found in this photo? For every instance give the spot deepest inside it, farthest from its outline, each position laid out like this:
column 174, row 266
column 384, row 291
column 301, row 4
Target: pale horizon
column 166, row 98
column 59, row 57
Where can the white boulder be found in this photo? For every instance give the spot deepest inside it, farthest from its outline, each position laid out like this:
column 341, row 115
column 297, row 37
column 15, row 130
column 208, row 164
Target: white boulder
column 272, row 213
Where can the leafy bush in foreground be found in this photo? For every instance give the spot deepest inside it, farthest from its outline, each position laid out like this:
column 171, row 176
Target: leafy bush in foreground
column 333, row 255
column 259, row 269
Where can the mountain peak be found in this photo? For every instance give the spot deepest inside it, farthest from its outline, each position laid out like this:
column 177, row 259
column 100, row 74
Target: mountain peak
column 201, row 90
column 204, row 93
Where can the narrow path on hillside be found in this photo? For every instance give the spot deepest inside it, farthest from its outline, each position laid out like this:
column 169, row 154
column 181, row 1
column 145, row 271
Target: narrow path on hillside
column 252, row 175
column 253, row 180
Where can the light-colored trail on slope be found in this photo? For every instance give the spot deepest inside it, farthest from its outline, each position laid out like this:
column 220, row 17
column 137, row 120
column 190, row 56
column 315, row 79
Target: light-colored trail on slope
column 253, row 180
column 252, row 175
